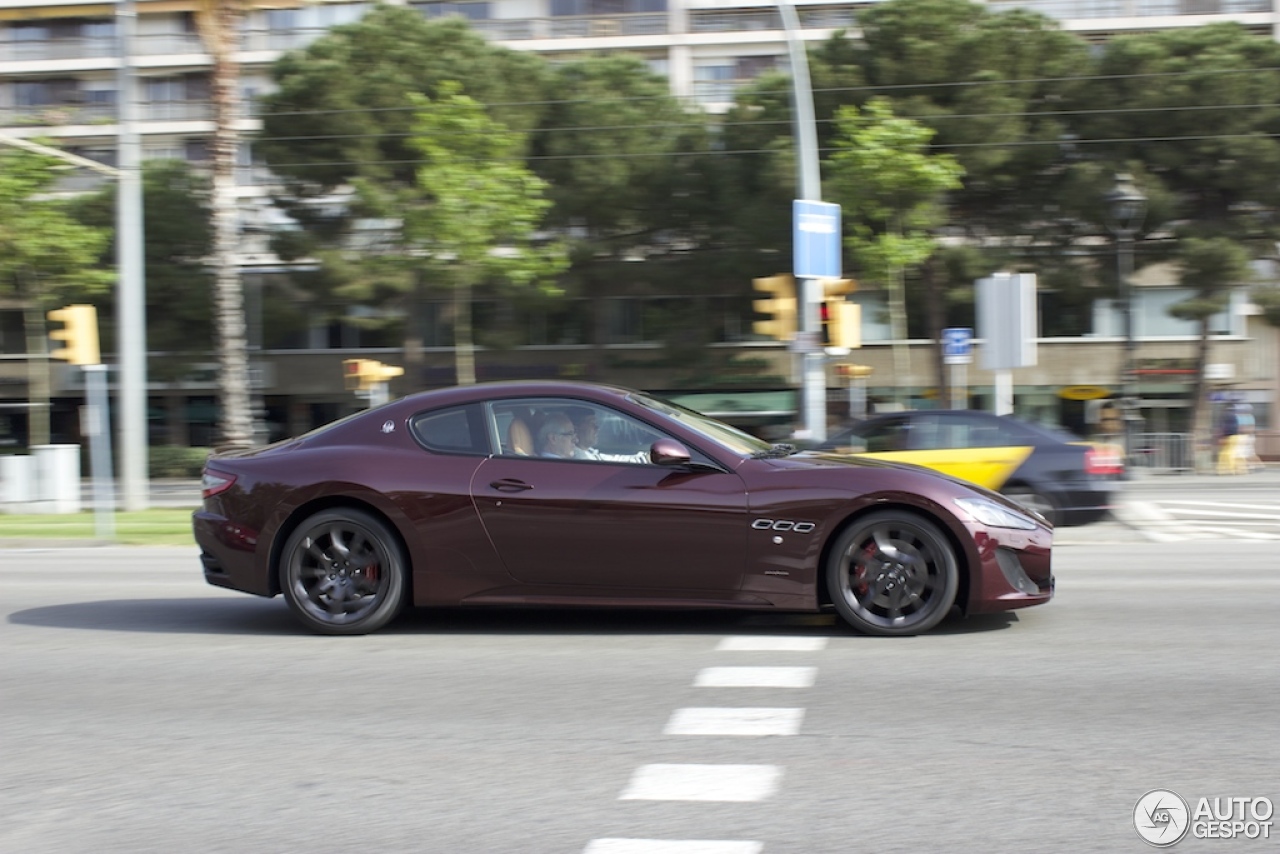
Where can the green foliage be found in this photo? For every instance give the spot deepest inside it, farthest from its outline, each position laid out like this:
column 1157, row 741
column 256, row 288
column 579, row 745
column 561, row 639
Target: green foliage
column 44, row 251
column 1268, row 299
column 619, row 151
column 1211, row 268
column 177, row 241
column 1199, row 107
column 175, row 462
column 342, row 105
column 889, row 187
column 485, row 207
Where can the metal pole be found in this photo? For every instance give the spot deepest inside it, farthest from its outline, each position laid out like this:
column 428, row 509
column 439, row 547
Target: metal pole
column 99, row 424
column 1124, row 261
column 813, row 389
column 131, row 314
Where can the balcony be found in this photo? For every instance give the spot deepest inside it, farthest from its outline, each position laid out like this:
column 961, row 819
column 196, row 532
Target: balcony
column 573, row 27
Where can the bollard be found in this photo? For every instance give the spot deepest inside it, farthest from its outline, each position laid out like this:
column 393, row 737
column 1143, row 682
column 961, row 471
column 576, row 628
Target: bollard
column 57, row 480
column 17, row 481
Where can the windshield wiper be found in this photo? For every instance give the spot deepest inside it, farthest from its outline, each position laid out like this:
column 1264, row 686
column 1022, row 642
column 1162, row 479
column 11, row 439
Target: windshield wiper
column 775, row 451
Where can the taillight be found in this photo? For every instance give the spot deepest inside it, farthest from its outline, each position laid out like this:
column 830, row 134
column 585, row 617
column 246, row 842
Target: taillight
column 1107, row 460
column 212, row 482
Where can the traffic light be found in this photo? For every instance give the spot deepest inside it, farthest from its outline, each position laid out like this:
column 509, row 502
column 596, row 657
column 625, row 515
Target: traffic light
column 380, row 373
column 841, row 324
column 364, row 374
column 353, row 373
column 79, row 334
column 779, row 307
column 851, row 371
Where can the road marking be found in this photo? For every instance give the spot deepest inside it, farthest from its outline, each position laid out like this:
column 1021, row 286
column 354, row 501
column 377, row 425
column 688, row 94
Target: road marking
column 739, row 783
column 720, row 721
column 756, row 677
column 750, row 643
column 1200, row 509
column 671, row 846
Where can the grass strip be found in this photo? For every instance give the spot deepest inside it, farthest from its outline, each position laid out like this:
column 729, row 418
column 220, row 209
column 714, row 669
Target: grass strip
column 155, row 527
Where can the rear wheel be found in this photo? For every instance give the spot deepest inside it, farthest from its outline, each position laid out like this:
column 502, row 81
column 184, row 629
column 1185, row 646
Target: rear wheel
column 893, row 573
column 343, row 572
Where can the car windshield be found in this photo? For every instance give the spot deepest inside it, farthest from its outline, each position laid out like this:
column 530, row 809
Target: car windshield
column 717, row 431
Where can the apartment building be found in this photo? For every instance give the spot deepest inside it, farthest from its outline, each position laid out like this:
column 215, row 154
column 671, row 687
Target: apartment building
column 59, row 62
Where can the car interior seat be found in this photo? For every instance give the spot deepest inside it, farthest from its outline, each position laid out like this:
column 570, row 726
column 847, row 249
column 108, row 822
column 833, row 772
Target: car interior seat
column 520, row 437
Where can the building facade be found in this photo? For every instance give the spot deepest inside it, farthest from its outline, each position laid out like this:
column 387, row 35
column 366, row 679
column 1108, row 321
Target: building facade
column 59, row 65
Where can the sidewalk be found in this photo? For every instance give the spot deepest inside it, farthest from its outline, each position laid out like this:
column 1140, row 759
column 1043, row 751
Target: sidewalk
column 1145, row 480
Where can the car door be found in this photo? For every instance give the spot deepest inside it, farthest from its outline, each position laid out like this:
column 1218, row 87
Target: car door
column 599, row 527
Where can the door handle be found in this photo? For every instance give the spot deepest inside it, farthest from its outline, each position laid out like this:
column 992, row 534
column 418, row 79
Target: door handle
column 508, row 484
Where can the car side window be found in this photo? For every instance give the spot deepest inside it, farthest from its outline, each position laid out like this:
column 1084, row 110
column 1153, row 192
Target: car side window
column 982, row 433
column 890, row 435
column 570, row 429
column 457, row 430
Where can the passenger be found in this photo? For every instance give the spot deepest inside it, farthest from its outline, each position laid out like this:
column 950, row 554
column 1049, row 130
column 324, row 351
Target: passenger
column 587, row 425
column 555, row 437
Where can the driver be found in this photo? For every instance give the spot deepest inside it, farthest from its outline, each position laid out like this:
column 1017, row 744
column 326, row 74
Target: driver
column 587, row 425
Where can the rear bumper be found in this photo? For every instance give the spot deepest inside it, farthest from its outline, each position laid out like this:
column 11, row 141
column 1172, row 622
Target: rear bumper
column 228, row 554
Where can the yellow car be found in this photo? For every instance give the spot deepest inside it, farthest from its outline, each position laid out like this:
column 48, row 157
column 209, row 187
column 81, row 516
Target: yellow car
column 1066, row 480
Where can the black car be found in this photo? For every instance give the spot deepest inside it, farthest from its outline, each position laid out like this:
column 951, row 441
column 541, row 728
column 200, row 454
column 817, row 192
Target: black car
column 1067, row 480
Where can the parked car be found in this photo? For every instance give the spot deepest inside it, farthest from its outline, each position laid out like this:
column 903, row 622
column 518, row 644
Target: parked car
column 1064, row 479
column 447, row 498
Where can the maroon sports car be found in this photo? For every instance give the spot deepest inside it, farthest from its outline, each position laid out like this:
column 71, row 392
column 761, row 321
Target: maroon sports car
column 578, row 494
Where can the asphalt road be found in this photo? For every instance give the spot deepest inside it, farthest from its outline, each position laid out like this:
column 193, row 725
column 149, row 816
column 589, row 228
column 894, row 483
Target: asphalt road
column 143, row 711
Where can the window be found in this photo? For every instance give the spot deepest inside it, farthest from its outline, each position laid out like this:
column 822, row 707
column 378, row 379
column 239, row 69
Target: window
column 889, row 436
column 570, row 429
column 451, row 431
column 46, row 93
column 474, row 11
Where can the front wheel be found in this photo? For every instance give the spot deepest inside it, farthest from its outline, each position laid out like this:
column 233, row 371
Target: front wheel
column 893, row 573
column 343, row 573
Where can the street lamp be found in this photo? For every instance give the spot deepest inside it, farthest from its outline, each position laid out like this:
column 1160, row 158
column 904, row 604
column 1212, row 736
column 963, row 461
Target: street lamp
column 1126, row 207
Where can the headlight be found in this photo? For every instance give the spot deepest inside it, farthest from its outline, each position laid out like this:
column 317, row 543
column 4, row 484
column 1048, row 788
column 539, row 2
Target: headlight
column 996, row 515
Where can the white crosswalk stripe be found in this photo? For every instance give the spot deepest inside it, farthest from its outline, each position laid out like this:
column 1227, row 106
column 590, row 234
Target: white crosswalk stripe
column 729, row 721
column 672, row 846
column 721, row 783
column 690, row 782
column 756, row 677
column 1173, row 520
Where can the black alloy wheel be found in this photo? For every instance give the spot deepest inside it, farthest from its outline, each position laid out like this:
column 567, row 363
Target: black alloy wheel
column 343, row 572
column 893, row 573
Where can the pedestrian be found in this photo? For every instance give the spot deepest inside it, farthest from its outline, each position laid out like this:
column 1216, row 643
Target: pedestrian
column 1227, row 436
column 1246, row 441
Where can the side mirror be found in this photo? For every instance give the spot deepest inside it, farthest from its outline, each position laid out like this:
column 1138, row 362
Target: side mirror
column 668, row 452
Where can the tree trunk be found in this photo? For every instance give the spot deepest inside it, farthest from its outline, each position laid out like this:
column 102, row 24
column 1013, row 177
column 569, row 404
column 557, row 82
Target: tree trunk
column 937, row 318
column 1201, row 429
column 464, row 347
column 220, row 26
column 415, row 362
column 898, row 322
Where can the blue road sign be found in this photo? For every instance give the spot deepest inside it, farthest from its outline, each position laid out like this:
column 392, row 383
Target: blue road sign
column 957, row 345
column 816, row 228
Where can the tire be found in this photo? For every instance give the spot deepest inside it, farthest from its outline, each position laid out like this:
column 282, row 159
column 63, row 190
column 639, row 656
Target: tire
column 1033, row 499
column 893, row 573
column 343, row 573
